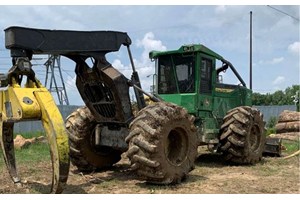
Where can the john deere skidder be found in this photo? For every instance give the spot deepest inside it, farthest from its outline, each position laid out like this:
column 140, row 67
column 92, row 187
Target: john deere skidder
column 161, row 140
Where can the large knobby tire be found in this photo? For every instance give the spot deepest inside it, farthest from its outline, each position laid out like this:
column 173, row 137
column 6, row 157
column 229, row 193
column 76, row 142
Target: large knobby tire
column 243, row 135
column 162, row 143
column 84, row 154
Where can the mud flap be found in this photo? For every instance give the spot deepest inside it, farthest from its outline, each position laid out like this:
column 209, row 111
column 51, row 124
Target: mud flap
column 272, row 147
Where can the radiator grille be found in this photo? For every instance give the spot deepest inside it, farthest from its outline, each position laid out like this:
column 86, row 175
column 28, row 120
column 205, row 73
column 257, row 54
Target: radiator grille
column 101, row 98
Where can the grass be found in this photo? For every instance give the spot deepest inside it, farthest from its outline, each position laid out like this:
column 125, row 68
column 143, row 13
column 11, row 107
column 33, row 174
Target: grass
column 30, row 156
column 273, row 167
column 34, row 153
column 271, row 131
column 291, row 146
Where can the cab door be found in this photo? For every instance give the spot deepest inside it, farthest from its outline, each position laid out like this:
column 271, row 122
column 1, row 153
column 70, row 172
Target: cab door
column 208, row 123
column 206, row 86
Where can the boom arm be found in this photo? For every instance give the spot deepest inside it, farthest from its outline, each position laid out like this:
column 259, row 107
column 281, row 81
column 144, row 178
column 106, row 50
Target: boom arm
column 111, row 99
column 23, row 42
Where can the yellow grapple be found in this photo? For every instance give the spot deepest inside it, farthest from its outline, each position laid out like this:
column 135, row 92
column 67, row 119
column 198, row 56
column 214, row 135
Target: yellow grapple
column 32, row 102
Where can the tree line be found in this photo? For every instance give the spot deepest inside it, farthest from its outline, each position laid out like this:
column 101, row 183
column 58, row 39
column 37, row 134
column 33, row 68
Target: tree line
column 279, row 97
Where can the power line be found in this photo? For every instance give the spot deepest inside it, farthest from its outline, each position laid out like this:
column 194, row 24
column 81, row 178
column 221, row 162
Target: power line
column 283, row 12
column 66, row 71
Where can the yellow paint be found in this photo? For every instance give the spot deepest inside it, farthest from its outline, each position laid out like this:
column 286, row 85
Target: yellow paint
column 57, row 136
column 224, row 90
column 1, row 141
column 34, row 102
column 20, row 109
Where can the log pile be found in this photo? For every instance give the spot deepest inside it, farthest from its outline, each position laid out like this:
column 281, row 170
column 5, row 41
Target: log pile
column 288, row 122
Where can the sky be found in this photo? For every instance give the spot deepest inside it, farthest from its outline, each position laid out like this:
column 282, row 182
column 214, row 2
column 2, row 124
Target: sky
column 222, row 28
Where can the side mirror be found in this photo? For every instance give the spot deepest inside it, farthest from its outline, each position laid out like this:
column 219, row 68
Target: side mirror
column 220, row 79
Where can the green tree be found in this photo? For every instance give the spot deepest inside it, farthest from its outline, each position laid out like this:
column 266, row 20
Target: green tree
column 279, row 97
column 268, row 99
column 290, row 92
column 257, row 99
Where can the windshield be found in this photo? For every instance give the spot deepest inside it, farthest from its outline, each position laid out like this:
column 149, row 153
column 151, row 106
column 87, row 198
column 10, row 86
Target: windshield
column 176, row 74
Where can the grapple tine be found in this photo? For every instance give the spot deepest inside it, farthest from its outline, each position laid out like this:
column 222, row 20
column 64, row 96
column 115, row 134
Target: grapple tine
column 57, row 138
column 7, row 144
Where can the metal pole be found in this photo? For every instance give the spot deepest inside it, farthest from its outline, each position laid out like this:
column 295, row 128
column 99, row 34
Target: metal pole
column 136, row 80
column 250, row 50
column 131, row 59
column 152, row 97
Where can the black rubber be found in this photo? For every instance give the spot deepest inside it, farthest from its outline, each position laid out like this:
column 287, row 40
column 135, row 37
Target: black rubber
column 162, row 143
column 242, row 135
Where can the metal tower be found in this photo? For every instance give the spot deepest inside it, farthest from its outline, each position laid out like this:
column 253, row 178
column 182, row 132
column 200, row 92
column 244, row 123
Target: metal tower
column 52, row 66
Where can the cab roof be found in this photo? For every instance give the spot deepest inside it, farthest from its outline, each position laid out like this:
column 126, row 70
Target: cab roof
column 187, row 49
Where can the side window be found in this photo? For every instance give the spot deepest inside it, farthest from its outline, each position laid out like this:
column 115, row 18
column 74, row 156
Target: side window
column 206, row 75
column 166, row 80
column 185, row 74
column 177, row 68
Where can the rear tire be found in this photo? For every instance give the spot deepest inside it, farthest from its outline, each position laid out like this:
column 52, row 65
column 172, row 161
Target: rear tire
column 84, row 154
column 162, row 143
column 242, row 135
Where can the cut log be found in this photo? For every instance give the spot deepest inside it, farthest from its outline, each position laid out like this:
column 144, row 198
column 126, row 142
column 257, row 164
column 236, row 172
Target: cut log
column 289, row 116
column 284, row 127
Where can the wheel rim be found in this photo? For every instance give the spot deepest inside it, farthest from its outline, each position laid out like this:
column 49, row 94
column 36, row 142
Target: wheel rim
column 255, row 137
column 176, row 148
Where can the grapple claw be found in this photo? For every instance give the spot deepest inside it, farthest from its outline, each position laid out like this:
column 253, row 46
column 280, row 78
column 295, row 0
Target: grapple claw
column 57, row 139
column 7, row 144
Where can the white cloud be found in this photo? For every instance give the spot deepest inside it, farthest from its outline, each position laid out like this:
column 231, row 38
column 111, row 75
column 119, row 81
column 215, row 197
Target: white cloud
column 220, row 9
column 149, row 43
column 294, row 48
column 118, row 64
column 274, row 61
column 278, row 80
column 126, row 70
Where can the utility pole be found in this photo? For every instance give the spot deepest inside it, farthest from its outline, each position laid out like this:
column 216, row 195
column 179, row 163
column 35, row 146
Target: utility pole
column 51, row 64
column 250, row 50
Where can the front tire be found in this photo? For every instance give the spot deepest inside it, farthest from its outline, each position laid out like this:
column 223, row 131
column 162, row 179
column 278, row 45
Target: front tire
column 162, row 143
column 242, row 135
column 84, row 154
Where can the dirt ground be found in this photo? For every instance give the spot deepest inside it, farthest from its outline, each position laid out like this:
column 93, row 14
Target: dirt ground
column 212, row 175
